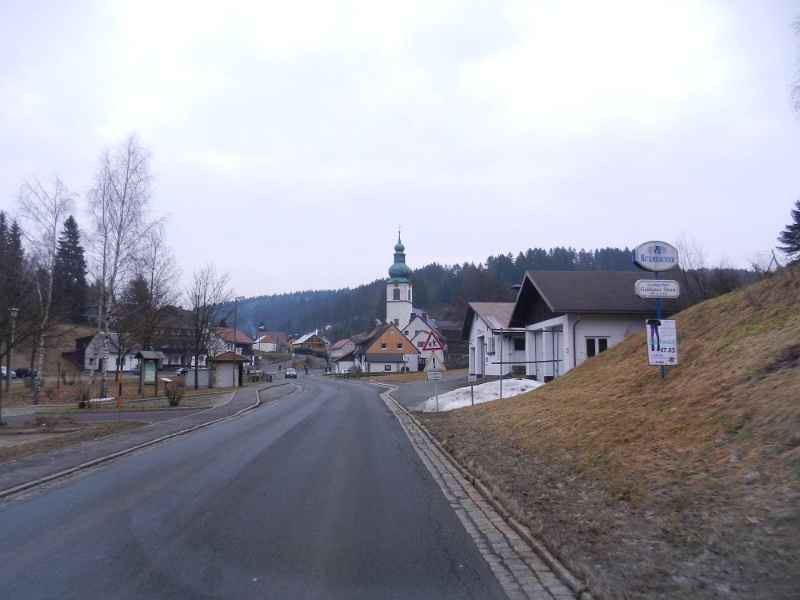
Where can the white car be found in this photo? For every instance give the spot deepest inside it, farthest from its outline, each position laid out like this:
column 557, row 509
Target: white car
column 4, row 372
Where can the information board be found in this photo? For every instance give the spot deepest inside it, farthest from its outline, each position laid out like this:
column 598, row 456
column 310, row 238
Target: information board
column 149, row 371
column 662, row 342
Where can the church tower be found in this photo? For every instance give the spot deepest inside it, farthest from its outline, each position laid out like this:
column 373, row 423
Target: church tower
column 398, row 289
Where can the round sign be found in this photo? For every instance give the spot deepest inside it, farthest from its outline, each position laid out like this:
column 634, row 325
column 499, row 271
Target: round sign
column 655, row 256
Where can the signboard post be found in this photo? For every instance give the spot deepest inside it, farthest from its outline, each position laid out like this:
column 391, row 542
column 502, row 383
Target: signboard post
column 656, row 257
column 435, row 376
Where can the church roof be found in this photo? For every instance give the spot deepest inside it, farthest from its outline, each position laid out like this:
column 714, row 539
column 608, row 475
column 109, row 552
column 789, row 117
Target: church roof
column 399, row 271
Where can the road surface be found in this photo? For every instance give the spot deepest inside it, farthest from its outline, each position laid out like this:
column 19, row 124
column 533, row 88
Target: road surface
column 320, row 495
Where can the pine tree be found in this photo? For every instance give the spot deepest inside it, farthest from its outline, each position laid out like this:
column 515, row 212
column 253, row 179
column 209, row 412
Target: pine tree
column 790, row 237
column 70, row 270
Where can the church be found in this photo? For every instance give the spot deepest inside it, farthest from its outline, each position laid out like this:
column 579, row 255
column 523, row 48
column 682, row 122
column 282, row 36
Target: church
column 415, row 324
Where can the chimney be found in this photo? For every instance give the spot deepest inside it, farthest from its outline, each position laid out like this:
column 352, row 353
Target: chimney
column 516, row 289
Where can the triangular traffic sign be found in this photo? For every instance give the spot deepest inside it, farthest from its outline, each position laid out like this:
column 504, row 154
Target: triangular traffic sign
column 432, row 343
column 434, row 363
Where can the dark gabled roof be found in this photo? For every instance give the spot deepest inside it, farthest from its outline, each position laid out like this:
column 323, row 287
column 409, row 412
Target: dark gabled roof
column 496, row 315
column 588, row 292
column 227, row 336
column 229, row 357
column 151, row 355
column 279, row 337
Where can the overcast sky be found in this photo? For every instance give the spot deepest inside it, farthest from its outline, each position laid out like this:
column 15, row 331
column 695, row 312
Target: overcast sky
column 290, row 139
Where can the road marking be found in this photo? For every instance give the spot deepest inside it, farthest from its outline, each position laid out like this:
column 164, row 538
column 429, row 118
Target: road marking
column 520, row 571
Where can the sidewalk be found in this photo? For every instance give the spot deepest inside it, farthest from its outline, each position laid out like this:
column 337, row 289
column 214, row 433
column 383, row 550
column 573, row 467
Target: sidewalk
column 19, row 474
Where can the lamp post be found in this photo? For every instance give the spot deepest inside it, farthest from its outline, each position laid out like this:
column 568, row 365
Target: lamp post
column 235, row 325
column 12, row 313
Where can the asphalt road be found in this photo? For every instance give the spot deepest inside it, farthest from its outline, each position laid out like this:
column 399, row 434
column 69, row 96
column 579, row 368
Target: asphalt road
column 317, row 496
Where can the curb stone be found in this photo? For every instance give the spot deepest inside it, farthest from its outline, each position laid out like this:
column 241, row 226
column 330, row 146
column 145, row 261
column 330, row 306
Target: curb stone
column 578, row 587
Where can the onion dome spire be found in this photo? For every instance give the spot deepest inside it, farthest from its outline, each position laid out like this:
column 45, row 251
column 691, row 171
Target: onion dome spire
column 399, row 271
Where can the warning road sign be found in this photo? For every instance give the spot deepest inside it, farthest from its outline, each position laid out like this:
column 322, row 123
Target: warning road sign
column 432, row 343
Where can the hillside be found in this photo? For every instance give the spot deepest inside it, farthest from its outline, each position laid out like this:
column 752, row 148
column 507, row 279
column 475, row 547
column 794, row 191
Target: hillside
column 444, row 291
column 687, row 487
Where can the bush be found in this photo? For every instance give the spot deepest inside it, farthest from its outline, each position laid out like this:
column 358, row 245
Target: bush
column 175, row 391
column 50, row 421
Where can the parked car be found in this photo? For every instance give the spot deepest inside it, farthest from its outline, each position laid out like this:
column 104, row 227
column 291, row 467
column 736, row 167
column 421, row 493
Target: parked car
column 290, row 373
column 25, row 372
column 4, row 372
column 182, row 371
column 136, row 371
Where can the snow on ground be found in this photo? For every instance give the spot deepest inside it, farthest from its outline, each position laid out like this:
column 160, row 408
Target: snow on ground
column 486, row 392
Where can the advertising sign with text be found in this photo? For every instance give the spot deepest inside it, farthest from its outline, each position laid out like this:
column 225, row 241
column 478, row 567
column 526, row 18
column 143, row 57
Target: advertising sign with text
column 662, row 342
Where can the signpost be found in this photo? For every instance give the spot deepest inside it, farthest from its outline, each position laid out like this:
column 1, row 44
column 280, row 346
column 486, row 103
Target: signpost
column 435, row 376
column 656, row 257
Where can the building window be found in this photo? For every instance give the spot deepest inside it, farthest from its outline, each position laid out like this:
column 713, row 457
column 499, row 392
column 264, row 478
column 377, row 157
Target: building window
column 383, row 346
column 405, row 333
column 490, row 345
column 420, row 344
column 397, row 322
column 519, row 344
column 396, row 294
column 400, row 346
column 595, row 346
column 387, row 367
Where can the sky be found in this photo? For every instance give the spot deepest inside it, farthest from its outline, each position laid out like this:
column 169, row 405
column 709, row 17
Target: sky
column 290, row 140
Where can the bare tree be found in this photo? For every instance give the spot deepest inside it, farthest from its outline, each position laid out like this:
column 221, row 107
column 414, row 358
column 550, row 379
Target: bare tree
column 118, row 207
column 151, row 295
column 208, row 300
column 43, row 208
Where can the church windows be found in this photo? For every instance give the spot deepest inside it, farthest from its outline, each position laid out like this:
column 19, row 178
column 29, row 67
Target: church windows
column 396, row 293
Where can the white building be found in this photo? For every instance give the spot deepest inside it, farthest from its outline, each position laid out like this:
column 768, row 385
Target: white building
column 570, row 316
column 399, row 307
column 494, row 347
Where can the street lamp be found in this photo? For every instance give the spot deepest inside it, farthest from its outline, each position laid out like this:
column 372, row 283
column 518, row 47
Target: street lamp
column 235, row 325
column 12, row 313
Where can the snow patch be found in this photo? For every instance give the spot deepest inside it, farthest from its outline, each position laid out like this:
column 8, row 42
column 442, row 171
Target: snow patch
column 486, row 392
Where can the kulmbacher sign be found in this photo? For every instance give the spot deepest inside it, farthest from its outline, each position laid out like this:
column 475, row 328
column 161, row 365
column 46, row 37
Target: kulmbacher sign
column 655, row 256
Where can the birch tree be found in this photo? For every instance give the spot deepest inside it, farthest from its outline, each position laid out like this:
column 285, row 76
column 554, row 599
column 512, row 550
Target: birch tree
column 119, row 212
column 208, row 301
column 43, row 207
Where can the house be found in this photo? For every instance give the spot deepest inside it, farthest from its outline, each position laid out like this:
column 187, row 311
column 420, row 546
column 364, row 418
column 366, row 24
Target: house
column 224, row 339
column 570, row 316
column 346, row 362
column 342, row 347
column 279, row 337
column 264, row 343
column 88, row 353
column 312, row 342
column 418, row 330
column 494, row 347
column 387, row 350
